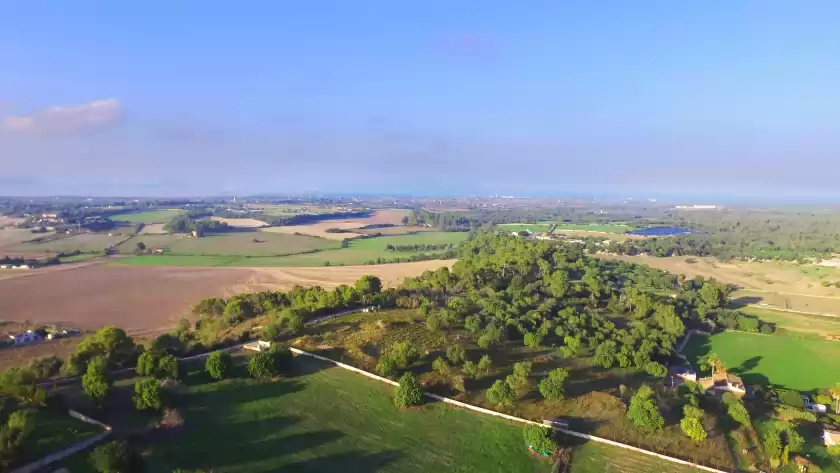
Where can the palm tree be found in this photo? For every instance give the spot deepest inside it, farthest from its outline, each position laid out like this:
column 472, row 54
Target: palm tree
column 713, row 362
column 834, row 392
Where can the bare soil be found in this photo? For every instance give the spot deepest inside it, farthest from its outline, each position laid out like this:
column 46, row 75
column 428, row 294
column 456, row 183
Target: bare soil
column 149, row 300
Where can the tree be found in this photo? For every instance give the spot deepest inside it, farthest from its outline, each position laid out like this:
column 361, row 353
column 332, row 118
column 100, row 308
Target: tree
column 657, row 370
column 738, row 412
column 141, row 247
column 261, row 365
column 409, row 392
column 147, row 363
column 456, row 354
column 552, row 387
column 693, row 428
column 834, row 392
column 667, row 319
column 167, row 367
column 111, row 457
column 470, row 369
column 168, row 343
column 691, row 423
column 605, row 354
column 95, row 381
column 712, row 295
column 404, row 354
column 369, row 285
column 501, row 394
column 147, row 395
column 218, row 364
column 521, row 371
column 643, row 412
column 541, row 439
column 386, row 366
column 533, row 340
column 712, row 361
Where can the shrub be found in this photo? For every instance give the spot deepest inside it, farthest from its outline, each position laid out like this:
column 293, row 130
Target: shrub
column 792, row 413
column 767, row 329
column 739, row 413
column 748, row 324
column 485, row 364
column 441, row 366
column 409, row 392
column 791, row 398
column 533, row 340
column 834, row 450
column 95, row 382
column 521, row 371
column 218, row 364
column 261, row 365
column 147, row 395
column 539, row 438
column 470, row 369
column 404, row 354
column 147, row 363
column 46, row 367
column 501, row 394
column 283, row 357
column 271, row 332
column 111, row 457
column 552, row 387
column 456, row 354
column 643, row 412
column 167, row 367
column 387, row 366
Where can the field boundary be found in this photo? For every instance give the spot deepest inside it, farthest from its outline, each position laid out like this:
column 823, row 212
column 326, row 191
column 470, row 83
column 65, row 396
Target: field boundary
column 510, row 417
column 60, row 455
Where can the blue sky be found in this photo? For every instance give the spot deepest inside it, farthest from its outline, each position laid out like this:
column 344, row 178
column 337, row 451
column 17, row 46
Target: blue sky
column 179, row 98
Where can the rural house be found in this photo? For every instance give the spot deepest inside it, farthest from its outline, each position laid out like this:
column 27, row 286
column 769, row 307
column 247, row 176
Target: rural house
column 23, row 338
column 722, row 383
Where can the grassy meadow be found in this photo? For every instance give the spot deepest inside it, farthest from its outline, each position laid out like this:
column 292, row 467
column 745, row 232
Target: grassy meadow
column 786, row 362
column 238, row 249
column 593, row 402
column 151, row 216
column 84, row 242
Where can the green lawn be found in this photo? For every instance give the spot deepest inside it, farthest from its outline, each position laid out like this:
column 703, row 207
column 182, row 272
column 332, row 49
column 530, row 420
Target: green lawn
column 188, row 252
column 594, row 457
column 54, row 430
column 801, row 323
column 151, row 216
column 786, row 362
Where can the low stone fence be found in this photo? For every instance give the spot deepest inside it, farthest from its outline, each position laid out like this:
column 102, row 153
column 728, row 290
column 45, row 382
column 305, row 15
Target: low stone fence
column 482, row 410
column 60, row 455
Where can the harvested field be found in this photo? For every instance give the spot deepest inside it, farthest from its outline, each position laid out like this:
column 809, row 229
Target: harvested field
column 13, row 236
column 778, row 284
column 318, row 229
column 399, row 230
column 249, row 244
column 148, row 300
column 241, row 222
column 10, row 221
column 153, row 229
column 392, row 216
column 85, row 242
column 151, row 240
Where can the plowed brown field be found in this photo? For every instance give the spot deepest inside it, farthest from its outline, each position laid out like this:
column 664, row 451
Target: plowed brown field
column 146, row 300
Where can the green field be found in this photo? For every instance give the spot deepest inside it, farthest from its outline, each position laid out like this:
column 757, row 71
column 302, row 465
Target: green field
column 194, row 252
column 800, row 323
column 151, row 216
column 85, row 242
column 78, row 258
column 781, row 361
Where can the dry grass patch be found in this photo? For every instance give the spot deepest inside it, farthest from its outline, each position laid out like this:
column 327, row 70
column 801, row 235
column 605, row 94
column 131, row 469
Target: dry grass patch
column 153, row 229
column 318, row 230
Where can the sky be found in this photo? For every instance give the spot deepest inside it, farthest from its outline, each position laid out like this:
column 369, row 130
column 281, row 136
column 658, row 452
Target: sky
column 191, row 98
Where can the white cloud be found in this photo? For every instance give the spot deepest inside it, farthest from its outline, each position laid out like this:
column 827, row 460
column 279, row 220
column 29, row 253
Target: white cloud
column 67, row 119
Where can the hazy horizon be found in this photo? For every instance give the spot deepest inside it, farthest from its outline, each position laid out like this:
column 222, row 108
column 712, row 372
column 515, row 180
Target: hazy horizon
column 650, row 100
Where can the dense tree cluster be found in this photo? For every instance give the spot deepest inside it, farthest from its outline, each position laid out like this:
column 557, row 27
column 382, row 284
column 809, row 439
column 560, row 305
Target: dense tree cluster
column 188, row 223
